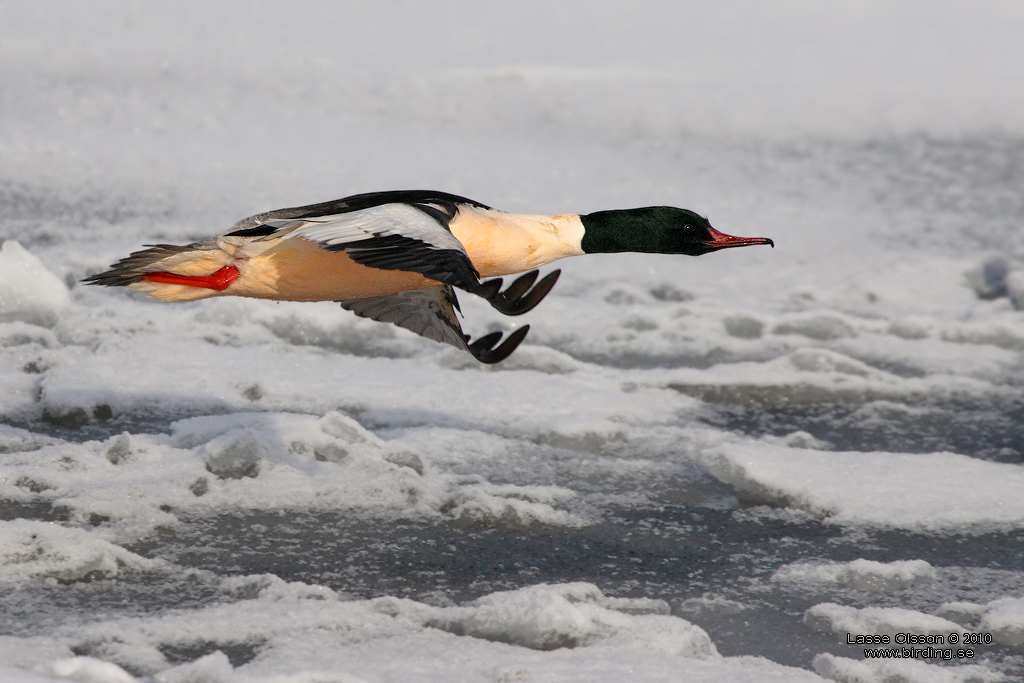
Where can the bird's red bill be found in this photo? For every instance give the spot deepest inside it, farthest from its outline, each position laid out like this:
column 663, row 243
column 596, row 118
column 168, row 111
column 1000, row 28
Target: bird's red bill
column 719, row 240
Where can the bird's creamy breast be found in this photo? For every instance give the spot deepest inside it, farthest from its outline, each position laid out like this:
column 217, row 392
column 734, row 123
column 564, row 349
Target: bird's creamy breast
column 300, row 270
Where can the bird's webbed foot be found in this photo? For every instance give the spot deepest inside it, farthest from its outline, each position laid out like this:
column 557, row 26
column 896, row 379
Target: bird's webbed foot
column 485, row 351
column 520, row 296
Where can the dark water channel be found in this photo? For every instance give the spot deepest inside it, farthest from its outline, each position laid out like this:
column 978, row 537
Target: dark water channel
column 987, row 428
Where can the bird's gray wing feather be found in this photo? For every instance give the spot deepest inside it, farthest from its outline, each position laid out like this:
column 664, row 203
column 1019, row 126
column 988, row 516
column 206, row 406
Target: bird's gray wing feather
column 428, row 312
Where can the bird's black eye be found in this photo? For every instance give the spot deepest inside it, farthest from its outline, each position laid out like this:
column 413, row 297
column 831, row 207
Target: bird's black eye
column 688, row 228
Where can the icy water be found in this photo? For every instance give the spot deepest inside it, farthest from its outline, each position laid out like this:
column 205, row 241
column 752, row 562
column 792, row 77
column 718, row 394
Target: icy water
column 675, row 533
column 680, row 554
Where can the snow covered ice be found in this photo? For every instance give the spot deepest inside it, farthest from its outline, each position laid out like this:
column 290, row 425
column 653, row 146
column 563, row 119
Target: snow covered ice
column 705, row 469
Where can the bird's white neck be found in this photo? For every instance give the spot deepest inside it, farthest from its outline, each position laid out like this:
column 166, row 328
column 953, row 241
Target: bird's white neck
column 500, row 243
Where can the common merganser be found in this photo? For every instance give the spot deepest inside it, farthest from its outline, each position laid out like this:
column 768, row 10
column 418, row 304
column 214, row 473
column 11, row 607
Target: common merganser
column 397, row 256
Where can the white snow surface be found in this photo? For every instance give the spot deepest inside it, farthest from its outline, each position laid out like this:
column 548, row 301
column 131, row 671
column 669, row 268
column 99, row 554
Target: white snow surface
column 85, row 670
column 949, row 491
column 844, row 670
column 29, row 293
column 1004, row 618
column 31, row 550
column 845, row 131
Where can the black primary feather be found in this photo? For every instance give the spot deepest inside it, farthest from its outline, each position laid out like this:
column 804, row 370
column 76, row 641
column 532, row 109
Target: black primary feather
column 132, row 268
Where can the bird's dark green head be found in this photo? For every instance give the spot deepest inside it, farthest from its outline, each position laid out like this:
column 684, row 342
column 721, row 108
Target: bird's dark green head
column 656, row 230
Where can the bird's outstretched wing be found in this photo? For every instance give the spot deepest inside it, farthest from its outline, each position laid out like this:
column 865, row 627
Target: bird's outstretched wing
column 405, row 230
column 389, row 237
column 443, row 203
column 431, row 313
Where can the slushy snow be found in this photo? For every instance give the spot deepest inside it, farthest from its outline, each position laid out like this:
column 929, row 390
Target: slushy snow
column 844, row 670
column 861, row 574
column 877, row 621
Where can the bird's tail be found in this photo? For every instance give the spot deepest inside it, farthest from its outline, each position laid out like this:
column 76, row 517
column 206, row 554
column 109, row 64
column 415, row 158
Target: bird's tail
column 171, row 272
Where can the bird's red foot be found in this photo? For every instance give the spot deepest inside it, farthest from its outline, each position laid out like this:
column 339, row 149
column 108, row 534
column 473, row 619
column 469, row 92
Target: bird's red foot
column 219, row 280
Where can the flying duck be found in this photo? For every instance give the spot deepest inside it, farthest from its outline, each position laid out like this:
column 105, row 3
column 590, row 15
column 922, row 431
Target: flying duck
column 396, row 257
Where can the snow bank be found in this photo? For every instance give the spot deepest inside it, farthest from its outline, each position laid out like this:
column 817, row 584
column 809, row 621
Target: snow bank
column 85, row 670
column 213, row 668
column 27, row 652
column 262, row 461
column 14, row 440
column 31, row 551
column 301, row 632
column 864, row 575
column 1004, row 619
column 246, row 371
column 876, row 621
column 928, row 492
column 963, row 613
column 19, row 333
column 10, row 674
column 572, row 615
column 541, row 617
column 843, row 670
column 437, row 657
column 29, row 292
